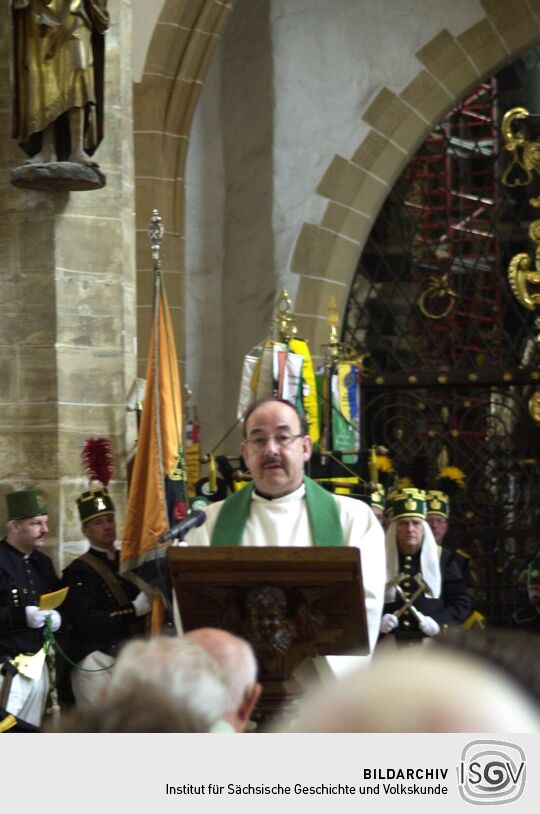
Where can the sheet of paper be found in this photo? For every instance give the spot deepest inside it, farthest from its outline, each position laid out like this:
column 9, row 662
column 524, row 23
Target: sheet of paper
column 52, row 600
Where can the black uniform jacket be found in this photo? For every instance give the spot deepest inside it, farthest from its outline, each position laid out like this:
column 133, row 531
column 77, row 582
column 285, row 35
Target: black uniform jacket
column 23, row 578
column 451, row 608
column 94, row 616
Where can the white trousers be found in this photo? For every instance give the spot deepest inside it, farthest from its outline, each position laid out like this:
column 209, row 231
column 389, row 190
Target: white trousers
column 89, row 687
column 28, row 696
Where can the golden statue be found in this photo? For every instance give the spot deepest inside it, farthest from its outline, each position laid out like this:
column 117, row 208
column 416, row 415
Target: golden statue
column 58, row 71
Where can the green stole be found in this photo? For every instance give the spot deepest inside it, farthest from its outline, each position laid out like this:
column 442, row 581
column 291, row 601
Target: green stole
column 321, row 507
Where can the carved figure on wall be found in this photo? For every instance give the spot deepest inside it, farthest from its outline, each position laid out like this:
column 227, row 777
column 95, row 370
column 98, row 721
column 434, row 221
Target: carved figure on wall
column 58, row 72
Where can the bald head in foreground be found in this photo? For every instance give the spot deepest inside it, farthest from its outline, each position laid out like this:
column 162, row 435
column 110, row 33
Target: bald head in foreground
column 427, row 689
column 237, row 661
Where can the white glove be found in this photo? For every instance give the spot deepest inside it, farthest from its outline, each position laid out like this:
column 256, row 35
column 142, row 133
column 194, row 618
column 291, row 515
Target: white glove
column 34, row 616
column 427, row 625
column 389, row 622
column 141, row 603
column 55, row 619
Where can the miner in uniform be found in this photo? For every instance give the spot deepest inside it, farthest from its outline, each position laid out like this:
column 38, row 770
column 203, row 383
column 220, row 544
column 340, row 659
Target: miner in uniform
column 26, row 573
column 425, row 589
column 102, row 609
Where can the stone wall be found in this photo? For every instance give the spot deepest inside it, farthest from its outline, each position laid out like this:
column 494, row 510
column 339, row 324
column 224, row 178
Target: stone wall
column 67, row 300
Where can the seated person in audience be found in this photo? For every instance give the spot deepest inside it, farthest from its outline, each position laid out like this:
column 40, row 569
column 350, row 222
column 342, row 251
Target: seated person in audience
column 148, row 711
column 429, row 689
column 237, row 661
column 514, row 651
column 184, row 675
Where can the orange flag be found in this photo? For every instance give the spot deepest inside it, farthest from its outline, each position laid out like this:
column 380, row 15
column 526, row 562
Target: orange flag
column 157, row 495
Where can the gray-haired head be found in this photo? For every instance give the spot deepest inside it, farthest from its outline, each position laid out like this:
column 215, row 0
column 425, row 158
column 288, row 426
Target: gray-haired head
column 176, row 669
column 237, row 661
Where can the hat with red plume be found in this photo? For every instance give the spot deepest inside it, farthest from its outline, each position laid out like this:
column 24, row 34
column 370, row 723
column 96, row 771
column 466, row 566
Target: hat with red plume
column 98, row 462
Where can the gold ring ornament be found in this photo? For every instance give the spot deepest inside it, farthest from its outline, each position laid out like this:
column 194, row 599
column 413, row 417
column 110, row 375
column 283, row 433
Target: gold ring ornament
column 437, row 289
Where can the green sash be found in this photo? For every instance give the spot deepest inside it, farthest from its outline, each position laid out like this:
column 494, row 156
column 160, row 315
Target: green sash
column 321, row 507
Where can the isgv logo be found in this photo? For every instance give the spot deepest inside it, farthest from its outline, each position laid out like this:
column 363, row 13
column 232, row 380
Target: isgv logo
column 491, row 772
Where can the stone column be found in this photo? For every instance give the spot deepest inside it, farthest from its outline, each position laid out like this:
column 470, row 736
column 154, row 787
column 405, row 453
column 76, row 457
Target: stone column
column 67, row 300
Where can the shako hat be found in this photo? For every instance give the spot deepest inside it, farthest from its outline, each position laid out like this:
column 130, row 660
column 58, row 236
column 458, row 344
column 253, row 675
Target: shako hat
column 94, row 503
column 377, row 497
column 96, row 456
column 390, row 495
column 408, row 503
column 26, row 503
column 437, row 503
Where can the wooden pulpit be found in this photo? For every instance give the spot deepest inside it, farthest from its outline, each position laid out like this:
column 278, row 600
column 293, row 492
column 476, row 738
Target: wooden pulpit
column 289, row 603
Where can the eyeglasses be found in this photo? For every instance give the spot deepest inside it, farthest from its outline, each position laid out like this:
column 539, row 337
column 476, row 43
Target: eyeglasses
column 282, row 439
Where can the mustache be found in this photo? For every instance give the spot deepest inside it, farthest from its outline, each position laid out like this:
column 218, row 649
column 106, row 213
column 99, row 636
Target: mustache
column 272, row 459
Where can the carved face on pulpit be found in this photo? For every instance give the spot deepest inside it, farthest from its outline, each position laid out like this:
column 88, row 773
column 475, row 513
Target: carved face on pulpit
column 268, row 628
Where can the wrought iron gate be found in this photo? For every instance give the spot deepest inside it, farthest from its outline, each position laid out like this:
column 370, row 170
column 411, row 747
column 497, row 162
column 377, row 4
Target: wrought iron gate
column 451, row 362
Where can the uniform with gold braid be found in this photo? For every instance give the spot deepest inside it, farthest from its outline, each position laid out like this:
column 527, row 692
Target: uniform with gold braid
column 425, row 589
column 99, row 611
column 24, row 579
column 438, row 509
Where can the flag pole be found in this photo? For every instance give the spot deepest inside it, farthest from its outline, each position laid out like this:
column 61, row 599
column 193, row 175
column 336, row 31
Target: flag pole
column 156, row 230
column 157, row 494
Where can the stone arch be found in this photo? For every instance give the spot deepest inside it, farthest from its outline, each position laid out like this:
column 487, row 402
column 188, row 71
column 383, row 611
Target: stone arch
column 180, row 51
column 326, row 254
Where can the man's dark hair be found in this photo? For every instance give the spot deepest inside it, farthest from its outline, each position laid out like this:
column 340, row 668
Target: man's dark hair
column 301, row 417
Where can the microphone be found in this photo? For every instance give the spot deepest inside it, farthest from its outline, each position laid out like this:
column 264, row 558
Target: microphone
column 193, row 520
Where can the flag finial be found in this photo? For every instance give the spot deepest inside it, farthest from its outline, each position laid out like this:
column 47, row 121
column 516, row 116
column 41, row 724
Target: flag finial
column 155, row 233
column 283, row 320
